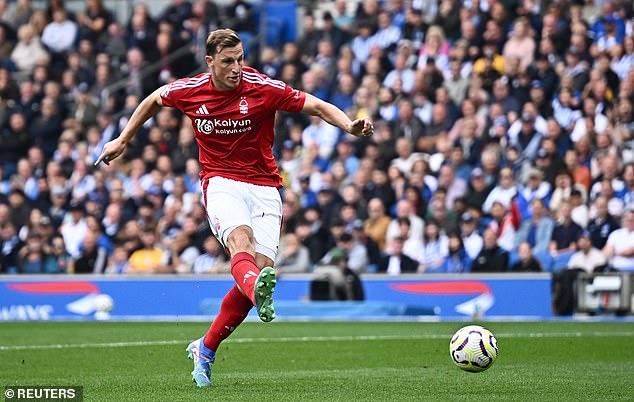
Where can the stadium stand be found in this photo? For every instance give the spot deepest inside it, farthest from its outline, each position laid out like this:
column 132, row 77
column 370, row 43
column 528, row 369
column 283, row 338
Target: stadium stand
column 460, row 92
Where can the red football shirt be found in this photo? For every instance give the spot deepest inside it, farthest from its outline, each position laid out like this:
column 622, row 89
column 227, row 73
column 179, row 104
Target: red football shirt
column 234, row 129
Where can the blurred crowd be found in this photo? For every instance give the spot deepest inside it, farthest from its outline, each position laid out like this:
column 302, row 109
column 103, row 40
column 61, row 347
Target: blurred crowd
column 504, row 137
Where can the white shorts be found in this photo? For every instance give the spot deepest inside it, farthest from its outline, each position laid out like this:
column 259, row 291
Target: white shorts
column 231, row 203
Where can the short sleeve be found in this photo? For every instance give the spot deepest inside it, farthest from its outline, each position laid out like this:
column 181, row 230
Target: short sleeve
column 167, row 95
column 291, row 100
column 278, row 95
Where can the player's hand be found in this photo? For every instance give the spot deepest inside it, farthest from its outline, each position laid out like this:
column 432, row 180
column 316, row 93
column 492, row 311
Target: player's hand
column 111, row 151
column 362, row 127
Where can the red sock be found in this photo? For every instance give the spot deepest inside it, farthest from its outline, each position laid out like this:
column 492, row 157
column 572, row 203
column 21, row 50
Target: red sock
column 245, row 272
column 233, row 310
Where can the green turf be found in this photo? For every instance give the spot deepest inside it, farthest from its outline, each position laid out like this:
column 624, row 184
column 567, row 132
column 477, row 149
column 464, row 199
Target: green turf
column 324, row 362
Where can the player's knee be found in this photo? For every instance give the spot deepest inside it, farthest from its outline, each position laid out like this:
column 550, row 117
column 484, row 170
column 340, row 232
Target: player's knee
column 263, row 261
column 241, row 240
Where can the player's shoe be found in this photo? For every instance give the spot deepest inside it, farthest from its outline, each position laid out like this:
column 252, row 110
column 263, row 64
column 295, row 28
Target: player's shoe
column 203, row 358
column 264, row 288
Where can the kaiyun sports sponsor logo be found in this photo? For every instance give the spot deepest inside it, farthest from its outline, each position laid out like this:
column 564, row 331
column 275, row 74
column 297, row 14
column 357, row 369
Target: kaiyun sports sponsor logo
column 222, row 126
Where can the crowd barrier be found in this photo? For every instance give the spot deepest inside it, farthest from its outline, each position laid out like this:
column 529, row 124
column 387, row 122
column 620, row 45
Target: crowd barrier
column 198, row 298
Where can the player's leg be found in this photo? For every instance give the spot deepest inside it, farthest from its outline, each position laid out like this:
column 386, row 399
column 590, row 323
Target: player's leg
column 266, row 209
column 226, row 210
column 227, row 222
column 241, row 245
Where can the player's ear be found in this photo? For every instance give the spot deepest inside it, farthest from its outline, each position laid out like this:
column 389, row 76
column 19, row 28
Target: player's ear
column 210, row 61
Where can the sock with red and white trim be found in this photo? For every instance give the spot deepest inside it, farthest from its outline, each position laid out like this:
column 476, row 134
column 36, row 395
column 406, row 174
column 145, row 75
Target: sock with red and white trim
column 245, row 272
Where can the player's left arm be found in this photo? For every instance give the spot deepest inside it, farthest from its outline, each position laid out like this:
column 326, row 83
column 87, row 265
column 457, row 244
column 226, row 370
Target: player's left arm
column 335, row 116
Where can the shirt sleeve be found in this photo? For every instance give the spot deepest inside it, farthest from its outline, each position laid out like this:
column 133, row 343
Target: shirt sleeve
column 291, row 100
column 168, row 95
column 281, row 96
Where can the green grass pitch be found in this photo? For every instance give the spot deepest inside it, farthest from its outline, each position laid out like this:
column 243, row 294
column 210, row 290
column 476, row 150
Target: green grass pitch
column 322, row 361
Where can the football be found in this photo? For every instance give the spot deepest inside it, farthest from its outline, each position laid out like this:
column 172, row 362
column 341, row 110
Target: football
column 473, row 348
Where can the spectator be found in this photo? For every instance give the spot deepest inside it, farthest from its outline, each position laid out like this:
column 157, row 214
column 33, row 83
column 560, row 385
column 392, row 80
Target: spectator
column 492, row 258
column 471, row 240
column 28, row 52
column 563, row 190
column 619, row 248
column 404, row 210
column 527, row 261
column 535, row 188
column 478, row 189
column 14, row 142
column 11, row 246
column 293, row 256
column 323, row 135
column 457, row 260
column 92, row 257
column 31, row 258
column 377, row 223
column 74, row 229
column 182, row 252
column 504, row 192
column 520, row 44
column 436, row 246
column 58, row 260
column 412, row 247
column 538, row 230
column 587, row 257
column 603, row 223
column 151, row 258
column 435, row 49
column 118, row 261
column 356, row 252
column 395, row 262
column 60, row 34
column 93, row 22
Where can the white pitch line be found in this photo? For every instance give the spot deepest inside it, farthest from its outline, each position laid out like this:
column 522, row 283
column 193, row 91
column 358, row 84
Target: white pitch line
column 312, row 339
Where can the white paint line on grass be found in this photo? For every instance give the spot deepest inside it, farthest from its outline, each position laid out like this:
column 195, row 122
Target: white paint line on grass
column 310, row 339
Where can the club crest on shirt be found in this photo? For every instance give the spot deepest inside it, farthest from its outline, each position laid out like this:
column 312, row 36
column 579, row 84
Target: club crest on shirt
column 244, row 105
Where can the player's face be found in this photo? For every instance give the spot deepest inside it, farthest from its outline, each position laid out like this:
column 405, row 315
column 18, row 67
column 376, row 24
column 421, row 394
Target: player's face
column 226, row 67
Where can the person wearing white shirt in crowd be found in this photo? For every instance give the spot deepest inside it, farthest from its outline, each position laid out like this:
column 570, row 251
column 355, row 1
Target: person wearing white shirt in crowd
column 60, row 34
column 620, row 245
column 589, row 112
column 74, row 229
column 322, row 134
column 28, row 52
column 563, row 111
column 363, row 43
column 413, row 247
column 406, row 158
column 436, row 246
column 587, row 257
column 471, row 239
column 503, row 192
column 388, row 34
column 404, row 209
column 400, row 71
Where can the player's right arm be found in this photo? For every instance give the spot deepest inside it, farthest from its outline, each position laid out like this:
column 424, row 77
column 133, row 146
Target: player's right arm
column 146, row 109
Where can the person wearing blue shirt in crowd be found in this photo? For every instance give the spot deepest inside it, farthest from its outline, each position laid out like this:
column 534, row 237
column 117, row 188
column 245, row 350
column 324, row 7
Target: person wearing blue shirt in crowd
column 457, row 261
